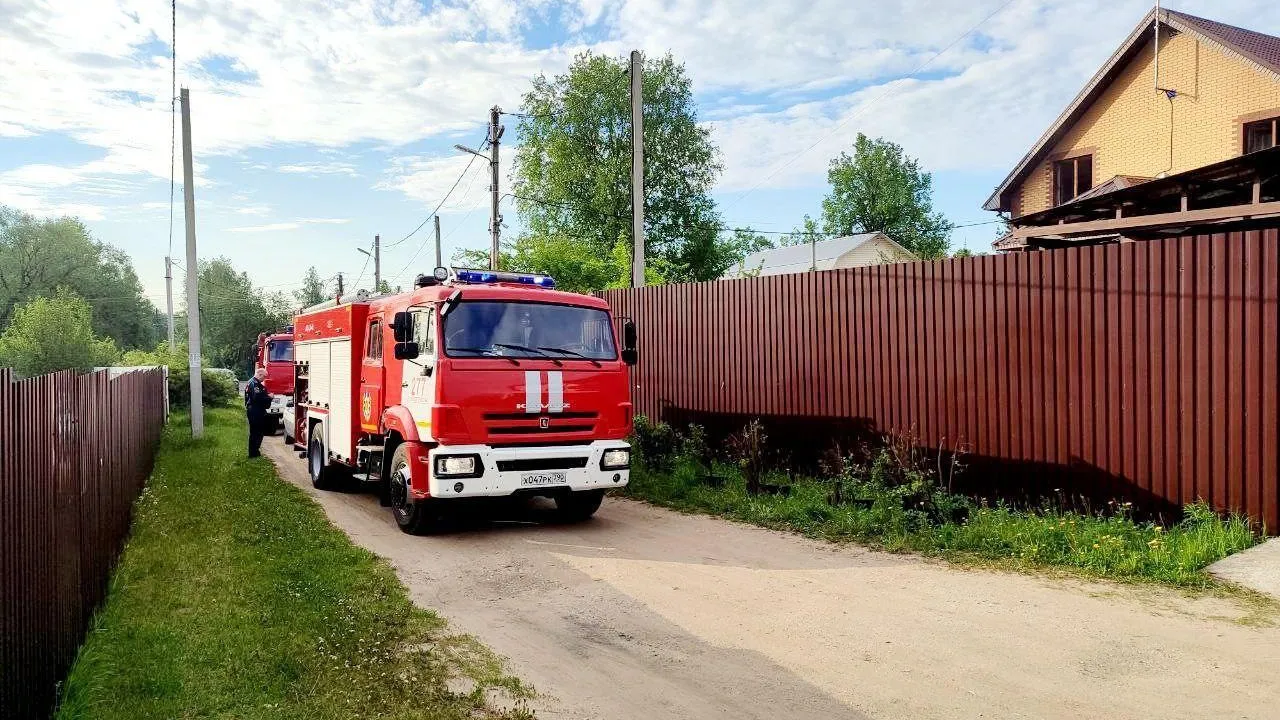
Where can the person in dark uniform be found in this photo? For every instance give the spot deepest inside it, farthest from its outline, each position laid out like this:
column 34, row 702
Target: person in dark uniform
column 256, row 402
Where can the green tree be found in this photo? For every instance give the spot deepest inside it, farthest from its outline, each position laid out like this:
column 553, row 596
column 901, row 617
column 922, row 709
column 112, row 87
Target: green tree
column 215, row 388
column 881, row 189
column 232, row 313
column 312, row 290
column 37, row 256
column 807, row 232
column 47, row 334
column 572, row 172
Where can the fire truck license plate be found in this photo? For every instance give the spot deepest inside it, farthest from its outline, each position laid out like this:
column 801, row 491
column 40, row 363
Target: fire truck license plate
column 544, row 478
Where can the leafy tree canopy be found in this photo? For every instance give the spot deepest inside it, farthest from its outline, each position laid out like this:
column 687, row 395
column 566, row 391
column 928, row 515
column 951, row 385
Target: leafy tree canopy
column 312, row 290
column 37, row 256
column 572, row 175
column 232, row 313
column 879, row 188
column 46, row 334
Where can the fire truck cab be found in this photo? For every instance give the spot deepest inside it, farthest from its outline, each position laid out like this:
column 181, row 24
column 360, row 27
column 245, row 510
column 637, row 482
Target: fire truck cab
column 475, row 384
column 274, row 351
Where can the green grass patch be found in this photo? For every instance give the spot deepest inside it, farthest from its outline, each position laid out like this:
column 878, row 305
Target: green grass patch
column 235, row 598
column 1109, row 546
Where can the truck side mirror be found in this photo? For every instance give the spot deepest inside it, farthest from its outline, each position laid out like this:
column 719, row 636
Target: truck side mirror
column 629, row 354
column 402, row 327
column 406, row 350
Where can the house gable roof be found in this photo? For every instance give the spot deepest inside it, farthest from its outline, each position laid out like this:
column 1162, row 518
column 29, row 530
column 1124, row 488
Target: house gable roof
column 1258, row 49
column 800, row 258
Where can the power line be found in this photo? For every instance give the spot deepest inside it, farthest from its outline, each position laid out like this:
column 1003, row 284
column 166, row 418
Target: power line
column 442, row 201
column 173, row 96
column 433, row 212
column 722, row 227
column 530, row 116
column 355, row 285
column 872, row 101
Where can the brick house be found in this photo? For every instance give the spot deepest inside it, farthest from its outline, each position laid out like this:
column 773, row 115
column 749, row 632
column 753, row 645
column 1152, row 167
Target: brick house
column 1210, row 94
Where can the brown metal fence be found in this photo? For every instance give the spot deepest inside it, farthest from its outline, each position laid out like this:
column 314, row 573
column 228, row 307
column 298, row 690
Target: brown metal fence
column 75, row 451
column 1145, row 371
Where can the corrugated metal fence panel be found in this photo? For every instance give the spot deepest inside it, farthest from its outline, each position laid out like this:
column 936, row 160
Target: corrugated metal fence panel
column 75, row 451
column 1145, row 371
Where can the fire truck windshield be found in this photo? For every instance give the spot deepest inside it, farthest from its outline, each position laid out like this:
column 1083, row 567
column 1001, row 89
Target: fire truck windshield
column 528, row 330
column 280, row 351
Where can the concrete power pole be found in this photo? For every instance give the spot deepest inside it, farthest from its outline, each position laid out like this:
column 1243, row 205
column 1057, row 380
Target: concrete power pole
column 377, row 264
column 168, row 297
column 637, row 169
column 439, row 262
column 495, row 134
column 193, row 272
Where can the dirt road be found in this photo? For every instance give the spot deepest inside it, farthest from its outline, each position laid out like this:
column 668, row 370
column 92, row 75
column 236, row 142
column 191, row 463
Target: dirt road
column 644, row 613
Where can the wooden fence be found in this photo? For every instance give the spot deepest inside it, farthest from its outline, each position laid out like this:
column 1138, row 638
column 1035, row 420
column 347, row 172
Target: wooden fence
column 1143, row 371
column 75, row 451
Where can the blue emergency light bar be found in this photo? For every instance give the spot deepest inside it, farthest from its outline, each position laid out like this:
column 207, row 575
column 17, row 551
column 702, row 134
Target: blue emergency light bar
column 493, row 276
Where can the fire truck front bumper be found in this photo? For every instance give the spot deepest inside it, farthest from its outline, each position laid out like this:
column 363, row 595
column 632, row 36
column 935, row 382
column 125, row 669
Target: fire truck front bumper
column 461, row 471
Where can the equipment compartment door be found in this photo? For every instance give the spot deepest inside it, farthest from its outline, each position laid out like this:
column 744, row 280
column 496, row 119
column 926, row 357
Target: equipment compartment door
column 370, row 409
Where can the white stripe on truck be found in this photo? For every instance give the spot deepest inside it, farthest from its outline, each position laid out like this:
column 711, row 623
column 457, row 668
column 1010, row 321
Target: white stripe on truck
column 532, row 391
column 555, row 391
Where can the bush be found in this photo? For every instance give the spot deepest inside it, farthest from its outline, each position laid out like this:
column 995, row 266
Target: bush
column 47, row 334
column 654, row 442
column 216, row 390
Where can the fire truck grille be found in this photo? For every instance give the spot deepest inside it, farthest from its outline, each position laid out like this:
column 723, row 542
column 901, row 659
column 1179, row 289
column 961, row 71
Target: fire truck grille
column 531, row 429
column 507, row 425
column 565, row 463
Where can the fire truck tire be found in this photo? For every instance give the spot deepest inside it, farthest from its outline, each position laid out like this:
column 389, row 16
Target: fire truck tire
column 323, row 476
column 414, row 518
column 578, row 506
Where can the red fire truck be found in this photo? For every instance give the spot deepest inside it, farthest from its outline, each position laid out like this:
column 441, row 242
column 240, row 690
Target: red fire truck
column 274, row 351
column 475, row 384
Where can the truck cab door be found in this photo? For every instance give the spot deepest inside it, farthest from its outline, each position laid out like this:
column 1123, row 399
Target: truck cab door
column 420, row 374
column 371, row 378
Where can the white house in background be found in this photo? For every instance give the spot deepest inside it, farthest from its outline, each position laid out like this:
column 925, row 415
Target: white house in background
column 843, row 252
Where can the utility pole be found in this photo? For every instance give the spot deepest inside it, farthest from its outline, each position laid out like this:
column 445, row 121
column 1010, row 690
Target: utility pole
column 193, row 274
column 495, row 134
column 637, row 169
column 377, row 264
column 438, row 260
column 168, row 297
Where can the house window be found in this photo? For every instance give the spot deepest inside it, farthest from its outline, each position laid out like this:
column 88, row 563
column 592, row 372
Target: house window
column 1071, row 177
column 373, row 350
column 1261, row 135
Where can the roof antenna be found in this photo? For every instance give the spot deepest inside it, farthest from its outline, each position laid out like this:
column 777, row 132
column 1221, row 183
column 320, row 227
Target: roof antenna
column 1157, row 33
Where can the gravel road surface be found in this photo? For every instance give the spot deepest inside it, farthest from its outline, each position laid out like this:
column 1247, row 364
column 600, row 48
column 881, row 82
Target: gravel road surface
column 645, row 613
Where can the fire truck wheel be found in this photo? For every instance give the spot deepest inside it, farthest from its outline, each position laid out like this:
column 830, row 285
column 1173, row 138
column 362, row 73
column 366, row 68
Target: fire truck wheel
column 578, row 506
column 414, row 518
column 323, row 477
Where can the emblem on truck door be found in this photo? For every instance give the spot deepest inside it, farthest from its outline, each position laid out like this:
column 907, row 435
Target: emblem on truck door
column 544, row 422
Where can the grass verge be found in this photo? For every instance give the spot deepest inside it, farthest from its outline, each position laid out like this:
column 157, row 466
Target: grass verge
column 1114, row 546
column 235, row 597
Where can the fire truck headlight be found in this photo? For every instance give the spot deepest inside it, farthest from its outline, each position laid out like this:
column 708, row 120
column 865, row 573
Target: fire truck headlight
column 616, row 459
column 458, row 466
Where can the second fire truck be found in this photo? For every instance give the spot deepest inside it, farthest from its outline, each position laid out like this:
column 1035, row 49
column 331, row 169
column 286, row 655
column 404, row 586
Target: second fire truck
column 475, row 384
column 274, row 351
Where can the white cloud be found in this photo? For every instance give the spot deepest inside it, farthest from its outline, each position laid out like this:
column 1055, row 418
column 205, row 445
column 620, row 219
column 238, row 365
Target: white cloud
column 429, row 179
column 776, row 78
column 294, row 225
column 320, row 168
column 270, row 227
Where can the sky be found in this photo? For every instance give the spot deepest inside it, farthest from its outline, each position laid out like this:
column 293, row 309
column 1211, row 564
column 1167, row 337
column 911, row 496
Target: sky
column 317, row 124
